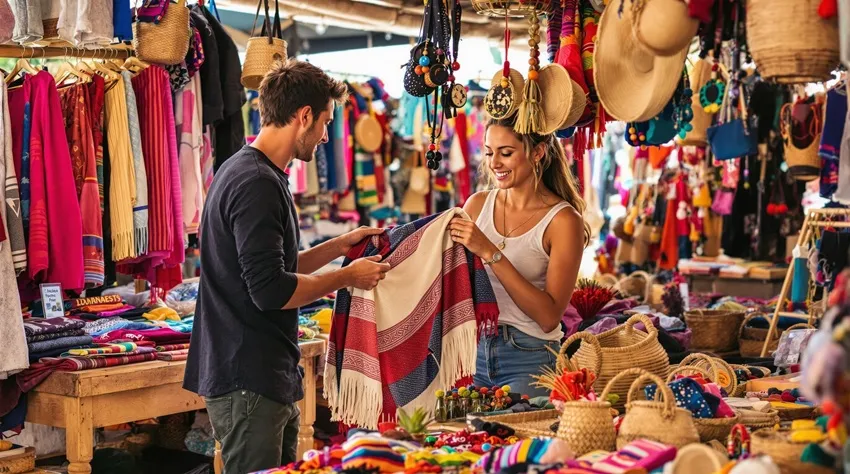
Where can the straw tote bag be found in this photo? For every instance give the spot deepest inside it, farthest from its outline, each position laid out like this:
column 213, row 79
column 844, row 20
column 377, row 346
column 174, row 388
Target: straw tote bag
column 625, row 347
column 264, row 50
column 801, row 122
column 166, row 42
column 660, row 421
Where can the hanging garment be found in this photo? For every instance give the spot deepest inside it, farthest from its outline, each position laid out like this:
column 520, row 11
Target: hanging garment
column 13, row 217
column 140, row 208
column 170, row 274
column 122, row 179
column 122, row 20
column 833, row 123
column 187, row 105
column 28, row 26
column 78, row 129
column 343, row 179
column 97, row 91
column 20, row 120
column 7, row 21
column 56, row 212
column 207, row 159
column 12, row 258
column 448, row 300
column 312, row 178
column 86, row 23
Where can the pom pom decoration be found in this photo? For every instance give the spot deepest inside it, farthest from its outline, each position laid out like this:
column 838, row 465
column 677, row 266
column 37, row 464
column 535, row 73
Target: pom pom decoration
column 530, row 118
column 590, row 297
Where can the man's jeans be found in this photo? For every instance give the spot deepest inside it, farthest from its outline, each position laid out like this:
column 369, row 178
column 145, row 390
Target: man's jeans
column 255, row 433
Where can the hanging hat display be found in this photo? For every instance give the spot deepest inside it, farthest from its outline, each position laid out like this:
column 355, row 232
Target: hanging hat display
column 510, row 8
column 633, row 84
column 564, row 98
column 503, row 97
column 569, row 55
column 662, row 26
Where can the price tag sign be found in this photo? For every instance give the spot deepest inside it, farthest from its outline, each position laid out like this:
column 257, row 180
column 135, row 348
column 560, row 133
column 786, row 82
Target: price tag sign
column 51, row 300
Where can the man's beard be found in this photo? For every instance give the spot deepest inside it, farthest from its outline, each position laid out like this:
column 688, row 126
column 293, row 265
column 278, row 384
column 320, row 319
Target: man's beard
column 304, row 150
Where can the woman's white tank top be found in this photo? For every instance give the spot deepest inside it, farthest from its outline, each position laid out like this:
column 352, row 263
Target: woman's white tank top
column 527, row 255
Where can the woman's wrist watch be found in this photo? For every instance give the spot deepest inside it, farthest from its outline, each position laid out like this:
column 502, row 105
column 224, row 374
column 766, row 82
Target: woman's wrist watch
column 497, row 256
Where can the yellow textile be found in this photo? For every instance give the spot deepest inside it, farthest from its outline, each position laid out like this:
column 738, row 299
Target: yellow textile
column 324, row 318
column 122, row 191
column 162, row 314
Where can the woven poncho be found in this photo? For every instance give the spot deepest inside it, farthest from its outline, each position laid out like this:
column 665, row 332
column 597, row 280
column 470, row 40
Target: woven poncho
column 416, row 332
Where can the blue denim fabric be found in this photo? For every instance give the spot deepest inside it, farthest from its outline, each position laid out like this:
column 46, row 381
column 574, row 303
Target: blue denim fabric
column 511, row 357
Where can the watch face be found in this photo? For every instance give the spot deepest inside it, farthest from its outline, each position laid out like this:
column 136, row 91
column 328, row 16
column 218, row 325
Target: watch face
column 458, row 95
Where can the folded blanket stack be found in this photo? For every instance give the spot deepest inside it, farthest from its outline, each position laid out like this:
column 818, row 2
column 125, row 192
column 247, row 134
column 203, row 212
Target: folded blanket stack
column 181, row 354
column 387, row 351
column 53, row 336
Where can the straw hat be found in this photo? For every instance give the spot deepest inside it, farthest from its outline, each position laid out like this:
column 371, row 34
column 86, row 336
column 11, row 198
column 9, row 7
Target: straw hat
column 368, row 133
column 495, row 97
column 663, row 26
column 632, row 83
column 563, row 99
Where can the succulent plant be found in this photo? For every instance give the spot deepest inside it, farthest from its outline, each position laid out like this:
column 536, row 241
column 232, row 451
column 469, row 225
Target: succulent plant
column 414, row 423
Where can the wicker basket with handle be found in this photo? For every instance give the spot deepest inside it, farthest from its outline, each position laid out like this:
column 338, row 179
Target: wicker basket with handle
column 166, row 42
column 790, row 43
column 263, row 51
column 719, row 370
column 708, row 428
column 714, row 330
column 751, row 340
column 587, row 426
column 785, row 453
column 660, row 421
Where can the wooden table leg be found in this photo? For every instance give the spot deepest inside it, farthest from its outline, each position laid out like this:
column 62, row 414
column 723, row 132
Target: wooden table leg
column 307, row 407
column 79, row 435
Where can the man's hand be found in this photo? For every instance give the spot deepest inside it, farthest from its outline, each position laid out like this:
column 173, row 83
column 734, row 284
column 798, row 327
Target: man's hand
column 346, row 241
column 365, row 273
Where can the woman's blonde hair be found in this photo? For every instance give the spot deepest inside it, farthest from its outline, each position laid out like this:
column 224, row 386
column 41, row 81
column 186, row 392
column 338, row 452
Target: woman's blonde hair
column 552, row 169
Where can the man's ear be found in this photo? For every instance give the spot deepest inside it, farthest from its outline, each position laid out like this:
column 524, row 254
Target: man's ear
column 305, row 115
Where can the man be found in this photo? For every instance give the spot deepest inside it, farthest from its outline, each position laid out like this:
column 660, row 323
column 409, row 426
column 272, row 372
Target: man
column 244, row 353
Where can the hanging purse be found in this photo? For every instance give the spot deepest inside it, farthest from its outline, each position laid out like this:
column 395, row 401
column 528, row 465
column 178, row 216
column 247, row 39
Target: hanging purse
column 723, row 200
column 702, row 198
column 167, row 41
column 801, row 125
column 264, row 50
column 731, row 138
column 413, row 201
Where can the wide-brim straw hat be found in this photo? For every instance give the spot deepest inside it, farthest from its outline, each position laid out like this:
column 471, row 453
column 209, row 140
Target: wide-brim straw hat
column 632, row 83
column 517, row 85
column 662, row 26
column 563, row 99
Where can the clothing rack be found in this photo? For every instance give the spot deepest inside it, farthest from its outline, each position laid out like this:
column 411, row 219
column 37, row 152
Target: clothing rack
column 38, row 52
column 815, row 219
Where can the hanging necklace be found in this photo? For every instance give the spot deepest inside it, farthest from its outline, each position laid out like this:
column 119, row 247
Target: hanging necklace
column 504, row 242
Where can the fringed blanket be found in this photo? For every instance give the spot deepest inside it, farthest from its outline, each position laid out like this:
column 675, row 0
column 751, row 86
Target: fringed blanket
column 416, row 332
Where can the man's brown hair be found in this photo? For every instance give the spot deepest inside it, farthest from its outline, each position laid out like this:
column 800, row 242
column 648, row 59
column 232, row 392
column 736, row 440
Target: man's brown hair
column 292, row 84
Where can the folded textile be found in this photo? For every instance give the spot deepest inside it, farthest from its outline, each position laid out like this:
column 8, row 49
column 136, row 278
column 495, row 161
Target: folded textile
column 138, row 350
column 173, row 355
column 171, row 347
column 38, row 309
column 184, row 326
column 56, row 335
column 34, row 326
column 39, row 371
column 105, row 349
column 98, row 308
column 162, row 314
column 103, row 325
column 36, row 356
column 387, row 352
column 163, row 335
column 62, row 342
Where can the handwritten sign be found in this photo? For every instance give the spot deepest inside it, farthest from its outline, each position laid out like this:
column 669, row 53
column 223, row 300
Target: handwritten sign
column 51, row 300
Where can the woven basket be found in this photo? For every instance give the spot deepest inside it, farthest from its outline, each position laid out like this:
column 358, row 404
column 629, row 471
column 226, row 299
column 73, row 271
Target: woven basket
column 587, row 426
column 803, row 163
column 510, row 8
column 625, row 347
column 606, row 279
column 789, row 42
column 708, row 428
column 526, row 425
column 751, row 340
column 19, row 463
column 636, row 284
column 660, row 421
column 785, row 453
column 755, row 420
column 166, row 42
column 712, row 330
column 718, row 369
column 260, row 56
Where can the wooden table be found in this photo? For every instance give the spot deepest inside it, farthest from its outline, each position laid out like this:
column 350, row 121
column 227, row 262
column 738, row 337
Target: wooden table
column 89, row 399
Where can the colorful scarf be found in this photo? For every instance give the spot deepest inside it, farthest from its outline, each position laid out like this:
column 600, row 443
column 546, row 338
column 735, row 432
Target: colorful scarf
column 122, row 179
column 140, row 208
column 181, row 354
column 104, row 349
column 172, row 347
column 386, row 352
column 34, row 326
column 40, row 370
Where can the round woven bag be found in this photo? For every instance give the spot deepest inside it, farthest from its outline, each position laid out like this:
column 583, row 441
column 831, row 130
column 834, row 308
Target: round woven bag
column 790, row 43
column 660, row 421
column 166, row 42
column 625, row 347
column 587, row 426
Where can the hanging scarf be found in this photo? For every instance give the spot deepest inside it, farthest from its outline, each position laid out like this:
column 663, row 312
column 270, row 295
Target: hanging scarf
column 387, row 352
column 13, row 217
column 188, row 114
column 96, row 89
column 140, row 208
column 122, row 181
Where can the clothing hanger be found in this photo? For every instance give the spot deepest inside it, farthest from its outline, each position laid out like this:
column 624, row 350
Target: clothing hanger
column 21, row 65
column 134, row 64
column 67, row 71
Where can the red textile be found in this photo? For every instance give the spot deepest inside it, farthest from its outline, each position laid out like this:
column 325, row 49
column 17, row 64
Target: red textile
column 464, row 184
column 160, row 335
column 30, row 378
column 96, row 111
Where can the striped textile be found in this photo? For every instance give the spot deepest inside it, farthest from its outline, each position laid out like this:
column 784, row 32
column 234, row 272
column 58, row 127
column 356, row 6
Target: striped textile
column 416, row 332
column 182, row 354
column 83, row 352
column 104, row 349
column 172, row 347
column 122, row 179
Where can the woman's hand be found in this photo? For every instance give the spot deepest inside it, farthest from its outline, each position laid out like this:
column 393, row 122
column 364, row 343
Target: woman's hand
column 465, row 232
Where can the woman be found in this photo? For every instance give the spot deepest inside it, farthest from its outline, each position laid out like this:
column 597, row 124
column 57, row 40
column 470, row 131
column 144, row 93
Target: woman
column 530, row 234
